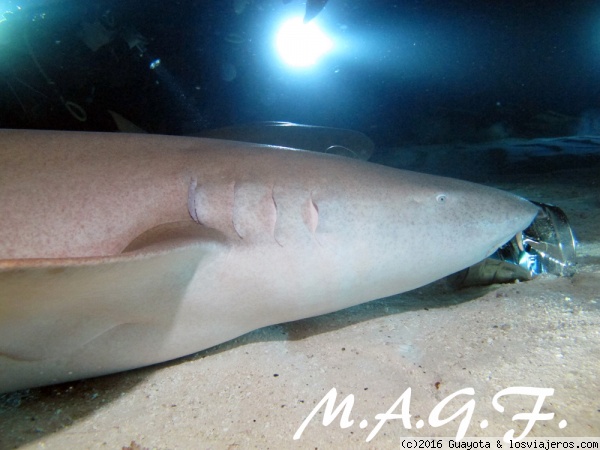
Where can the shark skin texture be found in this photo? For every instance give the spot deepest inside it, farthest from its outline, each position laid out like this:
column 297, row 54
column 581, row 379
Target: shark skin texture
column 119, row 251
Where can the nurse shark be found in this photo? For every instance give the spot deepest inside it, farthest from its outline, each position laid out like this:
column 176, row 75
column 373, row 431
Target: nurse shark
column 122, row 250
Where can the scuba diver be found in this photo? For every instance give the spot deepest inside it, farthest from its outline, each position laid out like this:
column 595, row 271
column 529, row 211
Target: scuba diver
column 313, row 8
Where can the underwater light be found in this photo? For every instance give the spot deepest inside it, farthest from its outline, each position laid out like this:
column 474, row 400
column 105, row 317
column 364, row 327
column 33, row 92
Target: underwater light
column 300, row 44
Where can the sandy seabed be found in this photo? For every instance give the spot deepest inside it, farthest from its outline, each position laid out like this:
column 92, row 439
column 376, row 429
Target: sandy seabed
column 257, row 390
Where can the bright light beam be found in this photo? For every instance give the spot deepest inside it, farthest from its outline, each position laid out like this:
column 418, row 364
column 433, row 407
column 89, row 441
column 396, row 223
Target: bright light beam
column 300, row 44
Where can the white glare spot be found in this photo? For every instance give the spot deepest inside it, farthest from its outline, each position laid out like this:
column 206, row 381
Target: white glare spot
column 300, row 44
column 154, row 64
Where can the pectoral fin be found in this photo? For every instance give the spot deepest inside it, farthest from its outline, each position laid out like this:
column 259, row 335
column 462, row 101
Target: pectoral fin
column 50, row 308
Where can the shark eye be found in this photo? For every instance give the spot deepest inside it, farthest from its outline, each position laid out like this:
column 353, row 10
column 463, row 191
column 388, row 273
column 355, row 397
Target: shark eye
column 441, row 198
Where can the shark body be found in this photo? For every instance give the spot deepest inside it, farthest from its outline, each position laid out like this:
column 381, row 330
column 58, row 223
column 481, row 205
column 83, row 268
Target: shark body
column 123, row 250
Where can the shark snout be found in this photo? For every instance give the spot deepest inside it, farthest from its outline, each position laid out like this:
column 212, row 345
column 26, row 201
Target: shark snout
column 518, row 214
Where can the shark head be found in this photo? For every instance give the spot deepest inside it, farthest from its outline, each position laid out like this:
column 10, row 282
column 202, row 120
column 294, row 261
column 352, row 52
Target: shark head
column 400, row 230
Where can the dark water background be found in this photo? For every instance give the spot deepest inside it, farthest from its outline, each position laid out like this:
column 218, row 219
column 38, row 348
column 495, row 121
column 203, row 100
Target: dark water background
column 411, row 71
